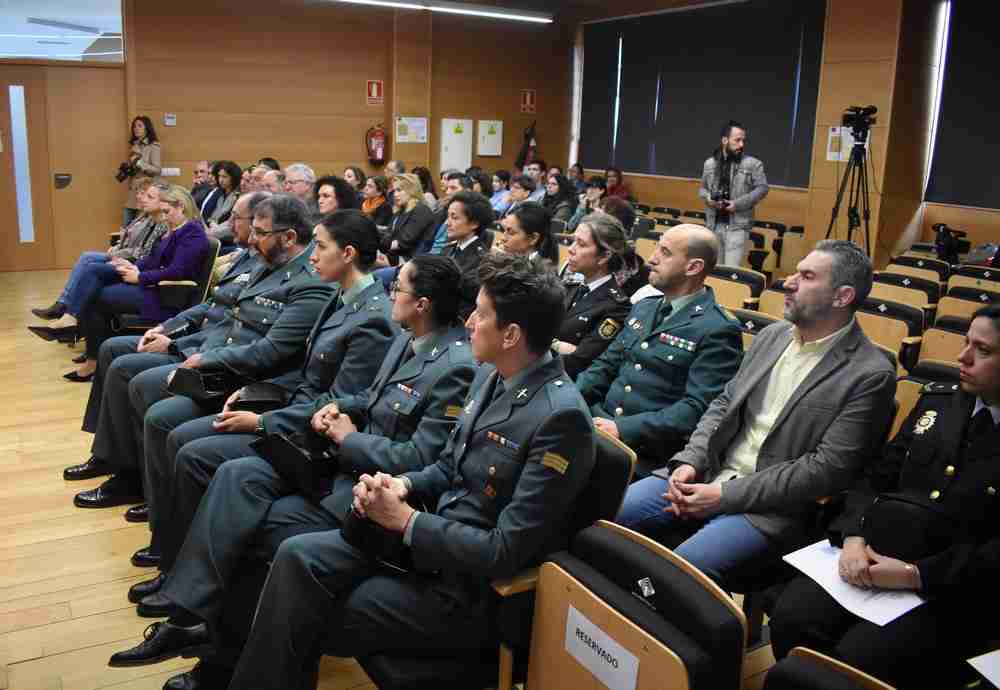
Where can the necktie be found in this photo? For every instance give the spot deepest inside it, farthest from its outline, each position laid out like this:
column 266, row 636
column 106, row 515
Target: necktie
column 581, row 293
column 982, row 424
column 497, row 391
column 664, row 312
column 409, row 354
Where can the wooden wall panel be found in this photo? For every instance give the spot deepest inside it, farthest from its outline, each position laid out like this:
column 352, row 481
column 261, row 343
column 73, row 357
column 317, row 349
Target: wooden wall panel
column 981, row 224
column 861, row 30
column 88, row 140
column 412, row 82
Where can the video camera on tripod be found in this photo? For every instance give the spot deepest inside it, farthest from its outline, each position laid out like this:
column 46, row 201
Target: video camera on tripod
column 859, row 119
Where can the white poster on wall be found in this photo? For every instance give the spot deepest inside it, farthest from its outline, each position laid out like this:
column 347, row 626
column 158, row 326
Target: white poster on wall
column 839, row 143
column 456, row 143
column 597, row 652
column 490, row 140
column 411, row 130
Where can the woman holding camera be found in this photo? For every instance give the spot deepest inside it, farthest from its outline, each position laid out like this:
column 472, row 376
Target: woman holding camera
column 143, row 162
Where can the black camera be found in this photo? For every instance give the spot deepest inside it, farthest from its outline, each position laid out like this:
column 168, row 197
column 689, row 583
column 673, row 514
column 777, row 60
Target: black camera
column 720, row 197
column 859, row 119
column 125, row 171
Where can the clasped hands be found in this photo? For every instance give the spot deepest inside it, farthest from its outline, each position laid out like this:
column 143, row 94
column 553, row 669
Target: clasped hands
column 862, row 566
column 127, row 270
column 329, row 422
column 689, row 499
column 235, row 421
column 382, row 499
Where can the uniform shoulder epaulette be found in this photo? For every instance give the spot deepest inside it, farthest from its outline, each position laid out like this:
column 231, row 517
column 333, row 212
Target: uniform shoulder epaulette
column 938, row 388
column 728, row 315
column 617, row 295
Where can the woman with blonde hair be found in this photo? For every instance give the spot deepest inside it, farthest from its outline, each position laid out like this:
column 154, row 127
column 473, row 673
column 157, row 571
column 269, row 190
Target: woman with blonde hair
column 412, row 220
column 177, row 255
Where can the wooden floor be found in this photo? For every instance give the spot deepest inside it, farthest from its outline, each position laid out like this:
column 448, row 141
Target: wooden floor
column 64, row 571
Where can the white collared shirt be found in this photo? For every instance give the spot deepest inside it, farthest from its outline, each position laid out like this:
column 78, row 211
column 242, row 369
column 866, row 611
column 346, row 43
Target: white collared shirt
column 994, row 410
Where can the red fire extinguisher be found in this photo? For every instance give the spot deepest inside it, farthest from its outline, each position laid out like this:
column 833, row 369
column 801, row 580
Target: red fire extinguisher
column 375, row 140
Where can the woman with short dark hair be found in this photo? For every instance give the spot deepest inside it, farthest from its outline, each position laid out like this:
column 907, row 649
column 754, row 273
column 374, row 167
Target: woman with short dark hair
column 227, row 178
column 144, row 162
column 469, row 239
column 527, row 231
column 560, row 198
column 375, row 204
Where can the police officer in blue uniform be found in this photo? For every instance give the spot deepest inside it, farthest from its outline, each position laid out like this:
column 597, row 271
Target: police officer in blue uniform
column 672, row 358
column 345, row 351
column 927, row 520
column 499, row 498
column 262, row 334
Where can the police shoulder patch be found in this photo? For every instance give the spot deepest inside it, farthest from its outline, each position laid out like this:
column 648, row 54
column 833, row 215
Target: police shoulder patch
column 608, row 329
column 453, row 411
column 938, row 388
column 556, row 462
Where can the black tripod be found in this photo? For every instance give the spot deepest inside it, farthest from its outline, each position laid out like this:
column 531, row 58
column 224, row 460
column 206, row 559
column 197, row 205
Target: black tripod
column 856, row 175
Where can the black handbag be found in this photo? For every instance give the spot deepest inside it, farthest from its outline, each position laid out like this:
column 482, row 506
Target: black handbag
column 376, row 542
column 906, row 527
column 261, row 397
column 305, row 464
column 208, row 389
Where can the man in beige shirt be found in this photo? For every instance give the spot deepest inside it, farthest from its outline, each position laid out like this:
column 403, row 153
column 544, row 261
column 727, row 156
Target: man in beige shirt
column 812, row 399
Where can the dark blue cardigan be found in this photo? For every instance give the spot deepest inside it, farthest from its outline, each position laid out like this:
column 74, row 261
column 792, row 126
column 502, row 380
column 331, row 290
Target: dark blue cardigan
column 175, row 256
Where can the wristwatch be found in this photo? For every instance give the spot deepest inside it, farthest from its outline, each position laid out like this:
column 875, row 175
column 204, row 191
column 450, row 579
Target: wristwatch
column 259, row 430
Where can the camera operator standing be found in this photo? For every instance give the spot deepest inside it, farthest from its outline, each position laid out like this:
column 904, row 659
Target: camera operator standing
column 144, row 161
column 731, row 185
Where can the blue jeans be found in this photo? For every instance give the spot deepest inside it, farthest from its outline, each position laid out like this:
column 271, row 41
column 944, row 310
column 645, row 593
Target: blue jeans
column 78, row 268
column 720, row 545
column 92, row 277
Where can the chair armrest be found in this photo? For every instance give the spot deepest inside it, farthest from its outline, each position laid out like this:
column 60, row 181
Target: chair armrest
column 186, row 283
column 751, row 303
column 524, row 581
column 114, row 238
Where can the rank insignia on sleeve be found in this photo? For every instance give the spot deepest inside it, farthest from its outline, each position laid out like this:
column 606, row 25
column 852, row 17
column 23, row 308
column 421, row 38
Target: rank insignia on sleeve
column 608, row 329
column 925, row 422
column 452, row 411
column 556, row 462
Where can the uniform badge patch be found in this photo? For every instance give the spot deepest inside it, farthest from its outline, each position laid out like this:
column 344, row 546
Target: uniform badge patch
column 556, row 462
column 609, row 329
column 925, row 422
column 452, row 411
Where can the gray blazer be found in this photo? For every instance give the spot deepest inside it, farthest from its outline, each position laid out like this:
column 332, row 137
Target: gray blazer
column 747, row 188
column 835, row 422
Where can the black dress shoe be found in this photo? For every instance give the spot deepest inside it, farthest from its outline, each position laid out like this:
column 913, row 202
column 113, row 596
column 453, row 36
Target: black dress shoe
column 94, row 467
column 63, row 334
column 165, row 641
column 113, row 492
column 139, row 513
column 204, row 676
column 156, row 605
column 80, row 358
column 143, row 589
column 76, row 378
column 50, row 313
column 145, row 558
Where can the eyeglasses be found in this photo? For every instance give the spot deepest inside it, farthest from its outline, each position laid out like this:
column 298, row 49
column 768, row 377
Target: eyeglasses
column 294, row 182
column 264, row 233
column 246, row 217
column 394, row 288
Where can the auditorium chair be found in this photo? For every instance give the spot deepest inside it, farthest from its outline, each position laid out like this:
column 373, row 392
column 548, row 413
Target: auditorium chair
column 954, row 313
column 894, row 325
column 793, row 249
column 645, row 247
column 642, row 227
column 804, row 669
column 752, row 323
column 667, row 211
column 772, row 300
column 981, row 295
column 938, row 359
column 927, row 274
column 930, row 287
column 736, row 287
column 643, row 209
column 176, row 294
column 668, row 222
column 600, row 499
column 975, row 277
column 908, row 391
column 940, row 267
column 922, row 249
column 618, row 598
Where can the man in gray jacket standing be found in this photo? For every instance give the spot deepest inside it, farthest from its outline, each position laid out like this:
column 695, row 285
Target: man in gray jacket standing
column 731, row 185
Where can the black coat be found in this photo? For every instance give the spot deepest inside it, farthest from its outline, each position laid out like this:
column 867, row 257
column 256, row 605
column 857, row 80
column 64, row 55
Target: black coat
column 410, row 229
column 591, row 323
column 468, row 261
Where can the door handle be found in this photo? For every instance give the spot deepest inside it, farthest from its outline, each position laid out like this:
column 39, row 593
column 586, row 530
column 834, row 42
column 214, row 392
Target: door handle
column 62, row 180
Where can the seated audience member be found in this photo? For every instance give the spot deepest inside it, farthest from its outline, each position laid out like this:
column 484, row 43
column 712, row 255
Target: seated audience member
column 177, row 255
column 227, row 181
column 809, row 406
column 257, row 178
column 634, row 275
column 334, row 194
column 469, row 239
column 344, row 352
column 528, row 232
column 273, row 182
column 376, row 205
column 215, row 195
column 482, row 184
column 457, row 542
column 554, row 170
column 262, row 334
column 576, row 176
column 269, row 163
column 393, row 168
column 522, row 189
column 412, row 224
column 454, row 183
column 93, row 270
column 616, row 183
column 596, row 309
column 201, row 182
column 246, row 181
column 925, row 522
column 427, row 185
column 427, row 373
column 356, row 177
column 444, row 180
column 500, row 201
column 560, row 198
column 299, row 181
column 654, row 382
column 590, row 200
column 536, row 171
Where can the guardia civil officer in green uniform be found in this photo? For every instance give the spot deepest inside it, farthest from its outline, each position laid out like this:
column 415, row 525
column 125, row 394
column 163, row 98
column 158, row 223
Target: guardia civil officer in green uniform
column 262, row 335
column 499, row 498
column 401, row 423
column 928, row 521
column 345, row 351
column 596, row 309
column 672, row 358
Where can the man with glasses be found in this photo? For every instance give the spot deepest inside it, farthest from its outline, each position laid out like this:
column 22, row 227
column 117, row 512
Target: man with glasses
column 263, row 335
column 202, row 182
column 299, row 181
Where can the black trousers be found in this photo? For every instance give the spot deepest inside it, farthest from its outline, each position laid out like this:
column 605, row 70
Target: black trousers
column 926, row 648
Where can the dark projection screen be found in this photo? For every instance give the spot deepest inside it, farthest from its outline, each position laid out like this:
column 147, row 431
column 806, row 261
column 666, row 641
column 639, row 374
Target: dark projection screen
column 966, row 150
column 685, row 74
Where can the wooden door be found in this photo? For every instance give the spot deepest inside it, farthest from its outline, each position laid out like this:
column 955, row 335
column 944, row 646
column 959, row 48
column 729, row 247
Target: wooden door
column 26, row 238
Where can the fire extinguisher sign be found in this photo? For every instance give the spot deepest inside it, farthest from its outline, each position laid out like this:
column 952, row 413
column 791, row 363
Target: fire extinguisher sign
column 376, row 92
column 528, row 101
